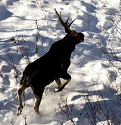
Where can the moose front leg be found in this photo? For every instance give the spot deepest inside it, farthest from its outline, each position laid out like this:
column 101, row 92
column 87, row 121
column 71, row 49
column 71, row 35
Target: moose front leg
column 58, row 82
column 61, row 87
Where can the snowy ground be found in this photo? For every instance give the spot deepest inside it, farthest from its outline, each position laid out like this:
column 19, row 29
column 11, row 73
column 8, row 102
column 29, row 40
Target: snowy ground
column 93, row 95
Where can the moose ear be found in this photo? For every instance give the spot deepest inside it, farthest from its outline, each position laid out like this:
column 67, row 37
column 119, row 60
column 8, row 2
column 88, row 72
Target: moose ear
column 73, row 33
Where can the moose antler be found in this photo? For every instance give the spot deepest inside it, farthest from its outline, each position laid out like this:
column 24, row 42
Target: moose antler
column 67, row 24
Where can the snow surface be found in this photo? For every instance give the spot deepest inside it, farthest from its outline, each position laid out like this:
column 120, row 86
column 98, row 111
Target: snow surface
column 93, row 95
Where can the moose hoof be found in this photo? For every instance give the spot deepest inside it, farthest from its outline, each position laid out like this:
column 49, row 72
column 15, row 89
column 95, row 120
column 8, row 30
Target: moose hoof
column 57, row 89
column 37, row 110
column 19, row 110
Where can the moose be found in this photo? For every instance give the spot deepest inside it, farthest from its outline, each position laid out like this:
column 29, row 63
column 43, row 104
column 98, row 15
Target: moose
column 52, row 66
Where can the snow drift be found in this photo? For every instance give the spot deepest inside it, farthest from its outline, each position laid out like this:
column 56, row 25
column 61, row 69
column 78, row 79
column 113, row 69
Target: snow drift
column 28, row 29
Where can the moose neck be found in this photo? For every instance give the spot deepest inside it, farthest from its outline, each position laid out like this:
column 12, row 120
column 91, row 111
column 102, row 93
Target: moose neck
column 70, row 41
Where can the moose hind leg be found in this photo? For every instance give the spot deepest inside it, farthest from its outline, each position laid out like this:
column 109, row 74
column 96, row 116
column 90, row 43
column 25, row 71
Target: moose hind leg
column 38, row 98
column 19, row 93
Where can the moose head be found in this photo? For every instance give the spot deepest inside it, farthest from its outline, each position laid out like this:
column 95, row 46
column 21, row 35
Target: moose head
column 75, row 36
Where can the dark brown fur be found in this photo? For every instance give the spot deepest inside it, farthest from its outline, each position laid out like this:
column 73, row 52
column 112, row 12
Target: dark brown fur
column 52, row 66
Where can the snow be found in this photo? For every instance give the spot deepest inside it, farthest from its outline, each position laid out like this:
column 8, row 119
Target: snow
column 93, row 96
